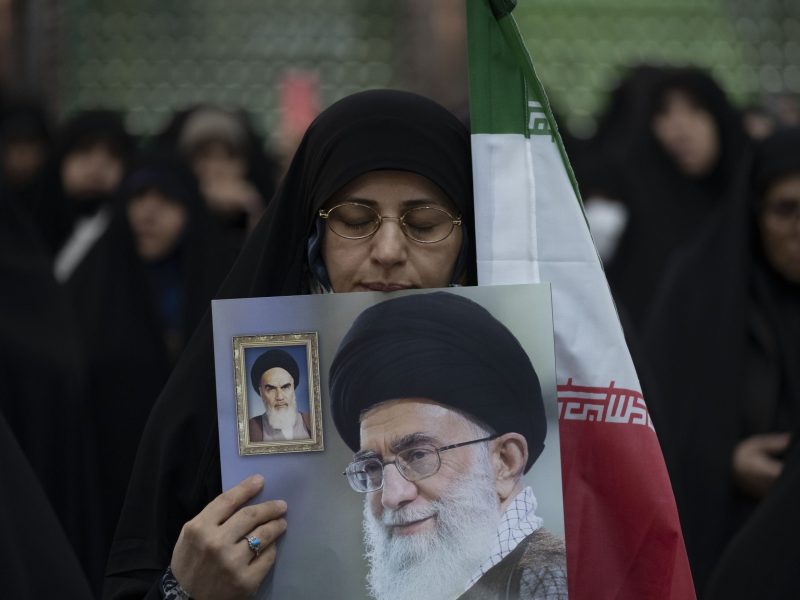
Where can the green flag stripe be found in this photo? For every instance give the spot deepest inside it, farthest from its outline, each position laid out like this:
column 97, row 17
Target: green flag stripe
column 497, row 86
column 506, row 95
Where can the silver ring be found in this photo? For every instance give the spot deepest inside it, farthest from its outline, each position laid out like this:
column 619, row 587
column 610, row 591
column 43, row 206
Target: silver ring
column 254, row 544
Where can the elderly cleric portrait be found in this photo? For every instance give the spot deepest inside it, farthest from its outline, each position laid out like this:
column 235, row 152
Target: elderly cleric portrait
column 444, row 411
column 275, row 375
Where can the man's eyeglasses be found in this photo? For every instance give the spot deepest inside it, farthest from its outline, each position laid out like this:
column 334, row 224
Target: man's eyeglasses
column 366, row 474
column 423, row 224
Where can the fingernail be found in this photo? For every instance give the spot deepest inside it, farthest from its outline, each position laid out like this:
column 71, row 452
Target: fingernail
column 257, row 479
column 282, row 505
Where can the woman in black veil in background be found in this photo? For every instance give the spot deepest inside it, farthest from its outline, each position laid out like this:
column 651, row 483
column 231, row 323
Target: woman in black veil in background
column 92, row 149
column 43, row 394
column 25, row 144
column 177, row 471
column 680, row 142
column 761, row 560
column 237, row 177
column 136, row 298
column 28, row 525
column 724, row 341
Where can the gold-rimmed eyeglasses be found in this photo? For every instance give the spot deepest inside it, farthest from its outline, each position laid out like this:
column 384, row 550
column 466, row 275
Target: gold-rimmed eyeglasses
column 423, row 224
column 366, row 474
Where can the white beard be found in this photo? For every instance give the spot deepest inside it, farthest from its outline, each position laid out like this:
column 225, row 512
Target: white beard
column 437, row 564
column 283, row 419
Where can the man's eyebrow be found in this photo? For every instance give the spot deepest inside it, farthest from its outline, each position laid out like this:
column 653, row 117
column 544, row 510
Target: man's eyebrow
column 405, row 442
column 411, row 440
column 362, row 454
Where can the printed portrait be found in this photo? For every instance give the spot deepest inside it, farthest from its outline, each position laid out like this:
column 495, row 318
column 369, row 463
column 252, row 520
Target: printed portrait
column 277, row 393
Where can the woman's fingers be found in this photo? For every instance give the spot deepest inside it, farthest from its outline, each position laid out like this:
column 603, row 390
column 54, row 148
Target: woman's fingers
column 266, row 534
column 248, row 518
column 212, row 558
column 226, row 504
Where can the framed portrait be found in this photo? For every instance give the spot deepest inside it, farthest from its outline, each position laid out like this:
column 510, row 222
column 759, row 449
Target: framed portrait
column 278, row 407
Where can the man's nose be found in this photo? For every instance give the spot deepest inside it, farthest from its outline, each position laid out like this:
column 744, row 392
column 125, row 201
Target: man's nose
column 389, row 244
column 397, row 490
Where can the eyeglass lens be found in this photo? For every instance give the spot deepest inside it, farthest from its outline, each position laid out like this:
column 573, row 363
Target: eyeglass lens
column 413, row 464
column 423, row 224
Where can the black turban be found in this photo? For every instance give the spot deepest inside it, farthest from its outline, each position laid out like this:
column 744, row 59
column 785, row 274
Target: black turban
column 272, row 359
column 444, row 348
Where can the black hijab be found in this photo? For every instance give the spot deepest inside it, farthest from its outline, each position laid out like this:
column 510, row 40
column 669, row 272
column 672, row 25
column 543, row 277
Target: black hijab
column 761, row 561
column 667, row 208
column 177, row 470
column 43, row 385
column 238, row 131
column 38, row 559
column 55, row 212
column 24, row 121
column 723, row 342
column 115, row 299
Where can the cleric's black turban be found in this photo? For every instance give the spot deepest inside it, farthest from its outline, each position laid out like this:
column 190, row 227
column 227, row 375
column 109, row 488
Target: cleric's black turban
column 270, row 360
column 442, row 347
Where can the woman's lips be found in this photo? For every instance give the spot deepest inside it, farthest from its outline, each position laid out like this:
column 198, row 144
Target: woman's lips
column 379, row 286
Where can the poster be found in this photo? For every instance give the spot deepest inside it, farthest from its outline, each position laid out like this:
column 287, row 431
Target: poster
column 322, row 553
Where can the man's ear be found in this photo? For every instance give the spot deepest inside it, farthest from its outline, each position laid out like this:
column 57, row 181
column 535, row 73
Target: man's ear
column 509, row 457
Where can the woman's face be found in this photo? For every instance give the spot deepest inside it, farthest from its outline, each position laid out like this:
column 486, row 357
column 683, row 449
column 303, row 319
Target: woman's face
column 688, row 134
column 388, row 260
column 157, row 222
column 91, row 170
column 779, row 224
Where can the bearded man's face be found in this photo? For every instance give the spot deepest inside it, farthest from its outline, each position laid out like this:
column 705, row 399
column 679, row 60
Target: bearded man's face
column 278, row 394
column 426, row 538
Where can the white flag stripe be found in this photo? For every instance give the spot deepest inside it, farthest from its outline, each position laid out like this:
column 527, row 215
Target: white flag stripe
column 521, row 184
column 506, row 210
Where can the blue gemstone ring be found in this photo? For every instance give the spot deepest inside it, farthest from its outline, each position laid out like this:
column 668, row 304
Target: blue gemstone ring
column 254, row 544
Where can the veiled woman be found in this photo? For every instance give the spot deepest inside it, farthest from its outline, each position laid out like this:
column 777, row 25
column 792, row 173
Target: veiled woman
column 136, row 297
column 724, row 341
column 392, row 159
column 686, row 145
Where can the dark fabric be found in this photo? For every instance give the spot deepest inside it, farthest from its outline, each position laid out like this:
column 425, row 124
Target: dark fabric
column 535, row 570
column 442, row 347
column 270, row 360
column 775, row 157
column 666, row 207
column 262, row 168
column 53, row 210
column 38, row 559
column 761, row 561
column 118, row 303
column 26, row 122
column 723, row 342
column 177, row 470
column 43, row 386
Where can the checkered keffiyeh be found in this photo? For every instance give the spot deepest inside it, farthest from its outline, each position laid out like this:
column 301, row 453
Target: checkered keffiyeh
column 518, row 521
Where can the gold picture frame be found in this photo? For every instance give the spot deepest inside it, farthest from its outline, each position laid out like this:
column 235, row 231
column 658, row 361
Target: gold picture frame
column 302, row 347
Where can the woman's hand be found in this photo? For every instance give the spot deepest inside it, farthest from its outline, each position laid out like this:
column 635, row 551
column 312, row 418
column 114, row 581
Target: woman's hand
column 212, row 558
column 757, row 463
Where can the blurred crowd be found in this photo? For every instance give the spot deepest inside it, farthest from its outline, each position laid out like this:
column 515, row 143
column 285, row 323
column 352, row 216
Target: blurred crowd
column 113, row 246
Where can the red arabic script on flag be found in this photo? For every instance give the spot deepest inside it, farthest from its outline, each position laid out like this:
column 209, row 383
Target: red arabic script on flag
column 605, row 404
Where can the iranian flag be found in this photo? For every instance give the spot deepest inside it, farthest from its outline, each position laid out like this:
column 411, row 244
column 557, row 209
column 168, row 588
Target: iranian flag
column 622, row 531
